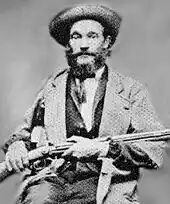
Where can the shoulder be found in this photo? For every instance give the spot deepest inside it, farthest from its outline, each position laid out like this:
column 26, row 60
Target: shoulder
column 55, row 77
column 131, row 86
column 51, row 81
column 60, row 73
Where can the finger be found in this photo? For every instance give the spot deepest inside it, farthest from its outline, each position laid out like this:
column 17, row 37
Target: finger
column 25, row 160
column 67, row 152
column 8, row 164
column 75, row 139
column 19, row 164
column 71, row 139
column 13, row 163
column 58, row 163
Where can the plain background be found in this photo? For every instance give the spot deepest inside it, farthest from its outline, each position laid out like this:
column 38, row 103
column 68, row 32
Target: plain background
column 28, row 56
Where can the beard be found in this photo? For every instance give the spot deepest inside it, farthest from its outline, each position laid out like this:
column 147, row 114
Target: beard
column 86, row 69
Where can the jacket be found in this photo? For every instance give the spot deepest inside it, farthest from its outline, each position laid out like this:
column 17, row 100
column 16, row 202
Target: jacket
column 127, row 109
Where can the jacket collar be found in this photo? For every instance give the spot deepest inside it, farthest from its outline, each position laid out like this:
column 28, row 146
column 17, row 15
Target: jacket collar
column 114, row 79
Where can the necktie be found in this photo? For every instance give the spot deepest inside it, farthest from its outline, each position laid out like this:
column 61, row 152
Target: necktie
column 86, row 76
column 87, row 91
column 82, row 89
column 81, row 93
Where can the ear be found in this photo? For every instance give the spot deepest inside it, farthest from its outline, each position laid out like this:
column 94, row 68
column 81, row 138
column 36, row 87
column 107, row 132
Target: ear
column 67, row 47
column 107, row 42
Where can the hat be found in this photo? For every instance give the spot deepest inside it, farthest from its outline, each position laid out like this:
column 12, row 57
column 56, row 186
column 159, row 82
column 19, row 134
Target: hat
column 61, row 24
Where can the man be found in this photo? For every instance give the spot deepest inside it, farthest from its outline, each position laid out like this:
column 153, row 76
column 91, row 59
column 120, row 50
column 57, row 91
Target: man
column 85, row 101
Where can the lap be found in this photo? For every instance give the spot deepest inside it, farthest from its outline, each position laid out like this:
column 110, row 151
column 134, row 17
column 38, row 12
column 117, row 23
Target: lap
column 55, row 189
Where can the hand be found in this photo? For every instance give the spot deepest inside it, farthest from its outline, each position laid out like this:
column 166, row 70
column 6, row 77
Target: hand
column 86, row 148
column 17, row 157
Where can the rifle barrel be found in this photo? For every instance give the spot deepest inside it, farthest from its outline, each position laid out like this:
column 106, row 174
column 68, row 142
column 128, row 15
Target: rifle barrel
column 161, row 135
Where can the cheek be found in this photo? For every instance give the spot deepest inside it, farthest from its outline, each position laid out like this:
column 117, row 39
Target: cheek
column 75, row 45
column 95, row 45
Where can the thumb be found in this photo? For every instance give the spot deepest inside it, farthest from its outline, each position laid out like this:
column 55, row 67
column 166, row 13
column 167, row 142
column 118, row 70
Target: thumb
column 58, row 162
column 25, row 159
column 76, row 139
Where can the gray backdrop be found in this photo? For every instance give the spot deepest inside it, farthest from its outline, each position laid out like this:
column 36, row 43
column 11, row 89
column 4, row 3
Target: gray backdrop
column 28, row 55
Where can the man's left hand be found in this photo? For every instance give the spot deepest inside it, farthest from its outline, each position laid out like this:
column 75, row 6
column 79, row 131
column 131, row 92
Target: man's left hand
column 85, row 148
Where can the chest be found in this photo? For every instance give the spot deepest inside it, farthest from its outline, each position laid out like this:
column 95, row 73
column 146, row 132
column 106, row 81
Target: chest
column 86, row 109
column 115, row 117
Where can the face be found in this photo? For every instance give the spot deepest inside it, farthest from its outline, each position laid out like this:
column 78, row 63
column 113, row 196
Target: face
column 86, row 36
column 87, row 45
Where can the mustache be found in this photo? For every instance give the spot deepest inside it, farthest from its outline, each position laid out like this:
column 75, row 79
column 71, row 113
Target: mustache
column 82, row 53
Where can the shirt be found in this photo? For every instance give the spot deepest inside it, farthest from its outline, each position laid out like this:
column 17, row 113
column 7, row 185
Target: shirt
column 90, row 86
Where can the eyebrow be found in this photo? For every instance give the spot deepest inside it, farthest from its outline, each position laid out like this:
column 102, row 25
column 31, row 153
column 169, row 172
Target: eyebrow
column 75, row 33
column 88, row 34
column 93, row 33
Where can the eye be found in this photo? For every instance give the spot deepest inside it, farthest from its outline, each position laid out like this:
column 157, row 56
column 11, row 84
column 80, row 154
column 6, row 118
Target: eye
column 75, row 36
column 93, row 35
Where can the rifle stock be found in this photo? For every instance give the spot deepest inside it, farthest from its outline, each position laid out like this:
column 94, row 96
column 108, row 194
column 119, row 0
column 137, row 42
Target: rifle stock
column 47, row 151
column 33, row 155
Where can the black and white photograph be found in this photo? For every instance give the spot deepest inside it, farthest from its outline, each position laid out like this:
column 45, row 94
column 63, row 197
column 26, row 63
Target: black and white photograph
column 85, row 102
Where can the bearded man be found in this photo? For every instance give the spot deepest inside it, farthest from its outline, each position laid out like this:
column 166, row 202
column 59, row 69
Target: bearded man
column 85, row 101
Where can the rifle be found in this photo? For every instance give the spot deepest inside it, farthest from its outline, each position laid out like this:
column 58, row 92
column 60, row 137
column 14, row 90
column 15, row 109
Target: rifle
column 53, row 151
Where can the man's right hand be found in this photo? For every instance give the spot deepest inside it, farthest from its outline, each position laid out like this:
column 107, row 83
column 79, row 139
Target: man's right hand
column 17, row 157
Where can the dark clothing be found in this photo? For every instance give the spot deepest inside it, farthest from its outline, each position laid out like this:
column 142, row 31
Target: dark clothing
column 59, row 190
column 74, row 122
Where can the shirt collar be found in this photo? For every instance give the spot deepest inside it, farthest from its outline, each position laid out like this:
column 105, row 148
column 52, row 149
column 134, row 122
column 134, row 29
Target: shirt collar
column 99, row 73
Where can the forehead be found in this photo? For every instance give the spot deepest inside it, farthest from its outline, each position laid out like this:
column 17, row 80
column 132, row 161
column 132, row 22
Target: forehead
column 85, row 26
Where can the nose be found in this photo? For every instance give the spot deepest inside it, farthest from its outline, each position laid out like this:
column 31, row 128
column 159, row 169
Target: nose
column 84, row 46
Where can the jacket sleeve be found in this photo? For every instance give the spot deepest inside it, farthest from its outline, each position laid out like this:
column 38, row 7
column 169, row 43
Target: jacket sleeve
column 143, row 119
column 33, row 117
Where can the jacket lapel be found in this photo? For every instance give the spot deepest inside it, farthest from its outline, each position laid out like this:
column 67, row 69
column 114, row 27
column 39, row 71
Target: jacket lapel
column 74, row 121
column 115, row 117
column 100, row 92
column 55, row 94
column 73, row 90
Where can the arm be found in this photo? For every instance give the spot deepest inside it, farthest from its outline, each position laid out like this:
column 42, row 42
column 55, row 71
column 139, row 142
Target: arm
column 32, row 118
column 143, row 118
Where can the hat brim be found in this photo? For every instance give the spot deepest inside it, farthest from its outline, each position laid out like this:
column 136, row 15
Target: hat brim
column 61, row 24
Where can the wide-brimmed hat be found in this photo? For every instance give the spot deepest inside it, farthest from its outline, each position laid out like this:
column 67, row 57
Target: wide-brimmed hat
column 60, row 25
